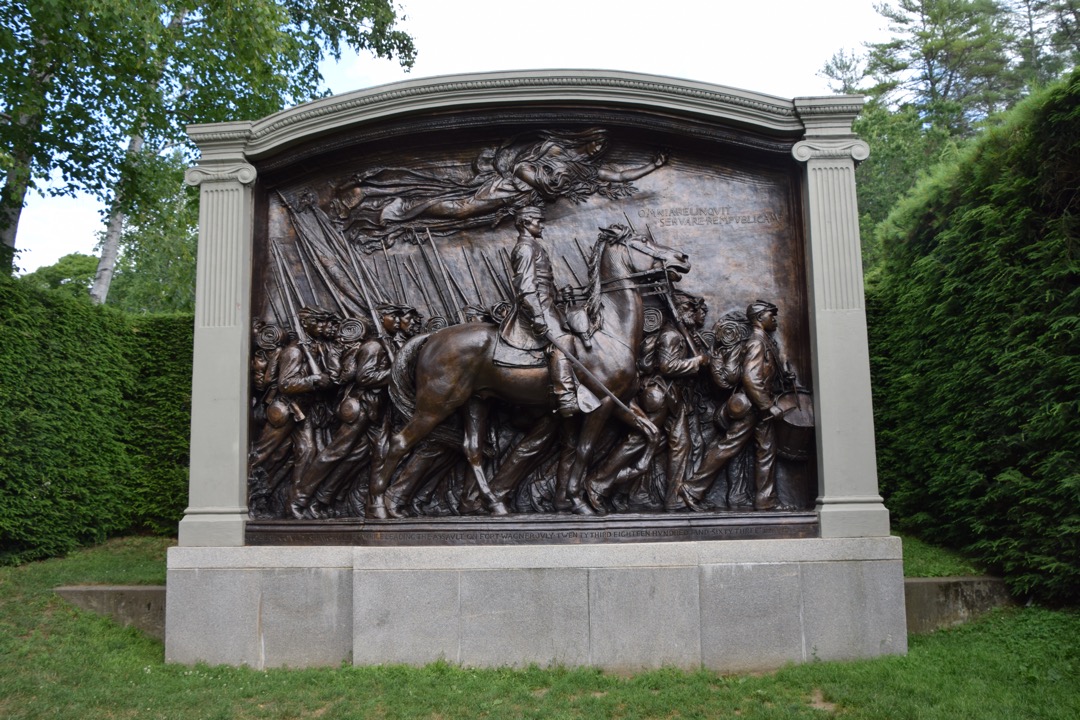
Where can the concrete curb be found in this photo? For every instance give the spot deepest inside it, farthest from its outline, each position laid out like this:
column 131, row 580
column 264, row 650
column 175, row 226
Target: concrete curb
column 138, row 606
column 935, row 603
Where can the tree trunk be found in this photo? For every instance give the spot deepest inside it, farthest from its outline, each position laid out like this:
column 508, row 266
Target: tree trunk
column 12, row 199
column 110, row 246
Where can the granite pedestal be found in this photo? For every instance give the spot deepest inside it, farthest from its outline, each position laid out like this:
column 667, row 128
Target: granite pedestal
column 724, row 605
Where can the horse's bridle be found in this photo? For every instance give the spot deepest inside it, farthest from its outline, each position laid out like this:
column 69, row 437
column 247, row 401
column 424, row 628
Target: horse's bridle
column 606, row 285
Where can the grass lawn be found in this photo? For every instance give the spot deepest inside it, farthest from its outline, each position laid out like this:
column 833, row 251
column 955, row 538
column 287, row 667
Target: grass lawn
column 922, row 559
column 59, row 662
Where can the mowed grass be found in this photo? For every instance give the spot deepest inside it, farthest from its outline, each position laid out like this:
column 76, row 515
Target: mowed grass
column 921, row 559
column 59, row 662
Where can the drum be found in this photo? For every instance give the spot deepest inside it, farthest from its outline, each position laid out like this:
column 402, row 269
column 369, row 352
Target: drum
column 795, row 428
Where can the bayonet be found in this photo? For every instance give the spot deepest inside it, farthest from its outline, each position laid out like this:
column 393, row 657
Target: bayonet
column 476, row 285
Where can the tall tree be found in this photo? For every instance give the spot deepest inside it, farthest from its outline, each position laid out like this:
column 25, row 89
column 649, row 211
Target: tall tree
column 1066, row 29
column 846, row 72
column 72, row 274
column 69, row 79
column 87, row 86
column 948, row 58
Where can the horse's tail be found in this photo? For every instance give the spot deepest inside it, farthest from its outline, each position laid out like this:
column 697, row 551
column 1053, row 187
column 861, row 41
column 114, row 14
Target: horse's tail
column 402, row 375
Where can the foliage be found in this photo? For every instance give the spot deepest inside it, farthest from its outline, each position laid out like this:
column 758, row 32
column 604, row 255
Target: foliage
column 79, row 79
column 73, row 273
column 948, row 58
column 92, row 429
column 902, row 149
column 156, row 268
column 975, row 343
column 57, row 662
column 949, row 66
column 1046, row 39
column 158, row 415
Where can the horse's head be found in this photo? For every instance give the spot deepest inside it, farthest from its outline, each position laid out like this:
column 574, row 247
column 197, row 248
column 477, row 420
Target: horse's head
column 644, row 258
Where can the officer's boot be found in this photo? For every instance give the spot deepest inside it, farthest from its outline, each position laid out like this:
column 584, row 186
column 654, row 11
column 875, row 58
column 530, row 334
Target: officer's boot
column 563, row 384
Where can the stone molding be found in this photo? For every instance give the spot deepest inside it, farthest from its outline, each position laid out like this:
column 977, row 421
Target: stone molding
column 726, row 605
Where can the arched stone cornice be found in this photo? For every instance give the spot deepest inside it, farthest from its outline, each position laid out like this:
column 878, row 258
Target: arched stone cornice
column 264, row 138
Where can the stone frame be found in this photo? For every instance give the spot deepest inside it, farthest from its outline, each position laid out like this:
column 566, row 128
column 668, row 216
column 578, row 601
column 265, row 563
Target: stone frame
column 848, row 504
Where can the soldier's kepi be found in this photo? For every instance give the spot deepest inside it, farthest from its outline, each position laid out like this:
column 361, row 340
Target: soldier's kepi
column 535, row 319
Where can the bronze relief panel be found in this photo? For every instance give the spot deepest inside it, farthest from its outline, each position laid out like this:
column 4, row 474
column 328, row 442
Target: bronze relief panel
column 531, row 318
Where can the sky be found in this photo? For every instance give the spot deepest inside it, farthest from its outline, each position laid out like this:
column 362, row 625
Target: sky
column 777, row 47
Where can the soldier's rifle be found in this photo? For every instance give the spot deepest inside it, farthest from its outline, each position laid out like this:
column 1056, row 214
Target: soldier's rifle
column 476, row 285
column 500, row 283
column 364, row 282
column 284, row 282
column 390, row 270
column 447, row 305
column 447, row 277
column 307, row 253
column 414, row 274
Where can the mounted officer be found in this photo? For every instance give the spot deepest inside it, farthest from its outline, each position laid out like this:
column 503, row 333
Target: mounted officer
column 535, row 320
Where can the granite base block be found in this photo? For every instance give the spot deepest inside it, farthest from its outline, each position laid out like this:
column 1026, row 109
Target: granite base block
column 724, row 605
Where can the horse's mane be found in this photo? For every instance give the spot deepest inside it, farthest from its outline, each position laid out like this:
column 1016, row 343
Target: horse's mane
column 594, row 304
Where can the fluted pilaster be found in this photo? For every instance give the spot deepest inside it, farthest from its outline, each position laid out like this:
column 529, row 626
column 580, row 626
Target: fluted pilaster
column 217, row 502
column 848, row 501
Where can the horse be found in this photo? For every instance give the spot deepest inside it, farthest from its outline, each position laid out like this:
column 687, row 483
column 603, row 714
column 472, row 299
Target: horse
column 454, row 369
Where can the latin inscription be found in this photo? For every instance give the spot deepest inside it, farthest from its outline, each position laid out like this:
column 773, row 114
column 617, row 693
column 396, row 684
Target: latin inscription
column 709, row 215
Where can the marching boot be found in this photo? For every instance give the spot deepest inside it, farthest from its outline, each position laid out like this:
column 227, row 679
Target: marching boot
column 376, row 509
column 580, row 507
column 595, row 499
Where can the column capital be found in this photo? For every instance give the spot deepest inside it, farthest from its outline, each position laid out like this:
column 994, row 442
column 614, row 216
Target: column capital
column 241, row 172
column 831, row 149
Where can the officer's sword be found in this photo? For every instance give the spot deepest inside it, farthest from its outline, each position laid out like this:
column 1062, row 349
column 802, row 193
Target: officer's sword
column 643, row 423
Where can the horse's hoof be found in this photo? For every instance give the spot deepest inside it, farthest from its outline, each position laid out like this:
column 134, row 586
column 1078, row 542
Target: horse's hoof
column 499, row 508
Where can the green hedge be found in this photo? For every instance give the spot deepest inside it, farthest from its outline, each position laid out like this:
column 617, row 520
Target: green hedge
column 94, row 410
column 975, row 341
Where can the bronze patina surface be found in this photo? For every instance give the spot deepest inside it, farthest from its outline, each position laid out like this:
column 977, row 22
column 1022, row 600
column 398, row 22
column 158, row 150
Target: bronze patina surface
column 545, row 325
